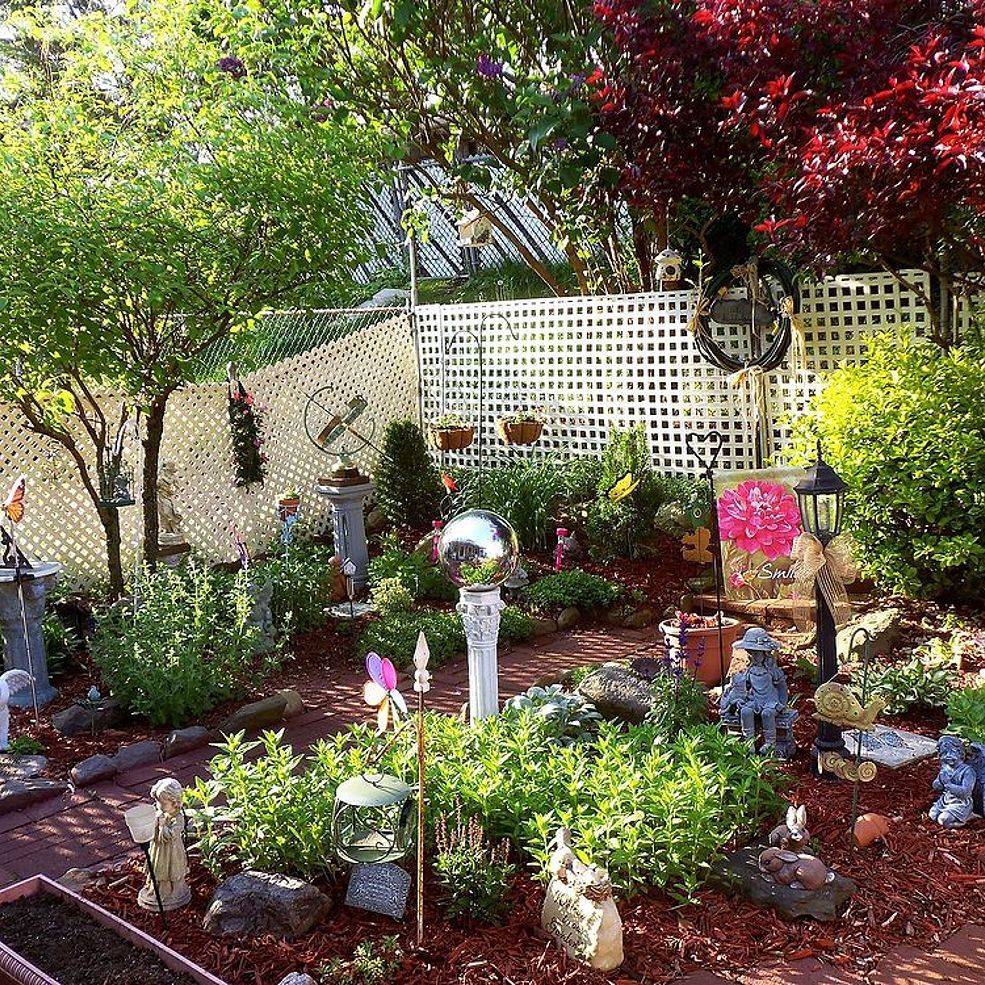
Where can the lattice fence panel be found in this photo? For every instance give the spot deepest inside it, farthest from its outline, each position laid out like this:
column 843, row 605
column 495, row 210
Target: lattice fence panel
column 377, row 362
column 601, row 362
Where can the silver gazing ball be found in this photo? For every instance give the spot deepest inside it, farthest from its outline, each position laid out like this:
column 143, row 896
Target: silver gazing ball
column 478, row 550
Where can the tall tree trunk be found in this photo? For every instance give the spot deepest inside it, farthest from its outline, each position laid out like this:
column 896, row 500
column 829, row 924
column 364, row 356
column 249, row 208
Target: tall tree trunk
column 152, row 461
column 110, row 519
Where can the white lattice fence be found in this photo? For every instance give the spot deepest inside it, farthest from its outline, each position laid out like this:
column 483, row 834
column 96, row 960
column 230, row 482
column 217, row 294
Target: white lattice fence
column 613, row 361
column 376, row 362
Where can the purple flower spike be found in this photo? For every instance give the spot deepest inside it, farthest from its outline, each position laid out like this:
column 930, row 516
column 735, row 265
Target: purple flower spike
column 487, row 67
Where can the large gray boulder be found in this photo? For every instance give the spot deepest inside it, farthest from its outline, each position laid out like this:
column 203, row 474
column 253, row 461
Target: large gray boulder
column 137, row 754
column 185, row 740
column 84, row 720
column 93, row 770
column 885, row 627
column 740, row 873
column 618, row 692
column 259, row 903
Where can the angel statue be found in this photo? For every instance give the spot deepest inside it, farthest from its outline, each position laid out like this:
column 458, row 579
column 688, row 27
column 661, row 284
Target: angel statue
column 169, row 519
column 961, row 772
column 10, row 683
column 168, row 858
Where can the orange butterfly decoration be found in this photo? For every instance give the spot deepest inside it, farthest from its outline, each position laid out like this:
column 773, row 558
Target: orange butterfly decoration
column 13, row 505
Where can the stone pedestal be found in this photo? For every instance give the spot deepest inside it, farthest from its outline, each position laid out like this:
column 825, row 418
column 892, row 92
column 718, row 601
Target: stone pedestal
column 348, row 526
column 34, row 588
column 480, row 612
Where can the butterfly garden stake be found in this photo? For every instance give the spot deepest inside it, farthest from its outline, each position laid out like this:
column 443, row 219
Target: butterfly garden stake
column 13, row 511
column 380, row 691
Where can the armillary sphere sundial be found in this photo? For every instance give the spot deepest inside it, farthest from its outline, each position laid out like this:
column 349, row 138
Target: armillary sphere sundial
column 342, row 433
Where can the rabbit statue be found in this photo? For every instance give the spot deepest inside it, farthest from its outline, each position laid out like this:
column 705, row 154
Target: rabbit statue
column 794, row 869
column 793, row 834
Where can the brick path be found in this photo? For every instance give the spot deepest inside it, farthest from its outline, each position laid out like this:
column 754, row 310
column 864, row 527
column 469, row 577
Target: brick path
column 85, row 827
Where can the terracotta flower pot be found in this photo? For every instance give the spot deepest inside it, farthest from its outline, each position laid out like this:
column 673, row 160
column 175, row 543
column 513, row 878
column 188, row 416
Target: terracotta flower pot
column 452, row 439
column 869, row 829
column 519, row 432
column 17, row 970
column 701, row 647
column 288, row 506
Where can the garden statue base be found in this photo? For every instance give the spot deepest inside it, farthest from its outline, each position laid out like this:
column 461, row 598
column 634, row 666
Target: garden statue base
column 32, row 588
column 348, row 523
column 741, row 873
column 786, row 746
column 480, row 612
column 891, row 747
column 381, row 888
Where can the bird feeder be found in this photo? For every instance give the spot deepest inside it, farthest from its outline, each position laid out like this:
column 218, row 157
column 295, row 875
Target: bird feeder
column 669, row 265
column 474, row 230
column 373, row 819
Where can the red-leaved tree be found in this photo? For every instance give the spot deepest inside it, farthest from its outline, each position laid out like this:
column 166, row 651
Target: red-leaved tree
column 847, row 129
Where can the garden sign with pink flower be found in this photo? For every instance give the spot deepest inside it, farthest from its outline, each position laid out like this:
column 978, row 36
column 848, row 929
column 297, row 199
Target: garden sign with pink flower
column 758, row 519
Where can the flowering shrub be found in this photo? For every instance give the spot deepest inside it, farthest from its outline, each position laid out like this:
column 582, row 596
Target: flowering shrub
column 760, row 516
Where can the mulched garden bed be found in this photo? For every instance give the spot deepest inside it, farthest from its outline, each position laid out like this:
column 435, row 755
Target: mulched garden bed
column 74, row 949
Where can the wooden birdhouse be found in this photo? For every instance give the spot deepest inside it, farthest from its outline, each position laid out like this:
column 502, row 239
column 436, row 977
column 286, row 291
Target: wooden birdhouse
column 669, row 266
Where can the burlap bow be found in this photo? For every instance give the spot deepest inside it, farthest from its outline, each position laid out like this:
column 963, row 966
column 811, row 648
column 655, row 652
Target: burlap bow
column 831, row 567
column 752, row 379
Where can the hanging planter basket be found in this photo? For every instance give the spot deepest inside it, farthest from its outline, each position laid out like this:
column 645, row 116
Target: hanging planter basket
column 288, row 506
column 519, row 432
column 451, row 438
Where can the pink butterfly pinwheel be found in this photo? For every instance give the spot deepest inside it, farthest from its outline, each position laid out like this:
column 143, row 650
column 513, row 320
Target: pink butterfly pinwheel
column 380, row 691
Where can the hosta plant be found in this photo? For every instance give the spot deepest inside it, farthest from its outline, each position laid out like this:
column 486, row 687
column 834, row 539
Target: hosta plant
column 966, row 713
column 926, row 679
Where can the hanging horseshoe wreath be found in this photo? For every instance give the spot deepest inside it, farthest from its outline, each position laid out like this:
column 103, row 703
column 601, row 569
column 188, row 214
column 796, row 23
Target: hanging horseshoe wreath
column 770, row 308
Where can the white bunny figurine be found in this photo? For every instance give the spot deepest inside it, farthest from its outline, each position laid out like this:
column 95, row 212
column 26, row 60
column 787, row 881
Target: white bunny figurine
column 10, row 683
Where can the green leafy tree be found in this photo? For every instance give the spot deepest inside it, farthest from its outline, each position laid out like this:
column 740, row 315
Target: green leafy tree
column 496, row 92
column 156, row 194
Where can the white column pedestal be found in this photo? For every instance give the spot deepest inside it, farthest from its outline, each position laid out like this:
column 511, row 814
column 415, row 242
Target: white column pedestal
column 480, row 613
column 348, row 525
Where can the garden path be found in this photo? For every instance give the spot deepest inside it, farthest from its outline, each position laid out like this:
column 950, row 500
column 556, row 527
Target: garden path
column 85, row 827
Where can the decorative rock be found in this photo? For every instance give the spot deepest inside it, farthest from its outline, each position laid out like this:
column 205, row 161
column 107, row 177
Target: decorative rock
column 569, row 618
column 255, row 716
column 543, row 627
column 258, row 903
column 14, row 767
column 640, row 618
column 618, row 692
column 740, row 872
column 80, row 720
column 17, row 794
column 185, row 739
column 579, row 911
column 884, row 626
column 298, row 978
column 891, row 747
column 137, row 754
column 294, row 703
column 92, row 770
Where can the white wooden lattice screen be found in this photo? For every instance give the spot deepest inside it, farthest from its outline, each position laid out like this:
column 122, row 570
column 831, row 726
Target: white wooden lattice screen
column 376, row 362
column 613, row 361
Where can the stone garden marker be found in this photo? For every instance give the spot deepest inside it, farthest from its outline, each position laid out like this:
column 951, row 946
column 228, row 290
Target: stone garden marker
column 579, row 911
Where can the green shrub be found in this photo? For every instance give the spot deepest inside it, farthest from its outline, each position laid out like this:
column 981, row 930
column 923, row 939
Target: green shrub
column 926, row 679
column 525, row 493
column 60, row 643
column 906, row 431
column 413, row 570
column 475, row 873
column 408, row 488
column 390, row 596
column 188, row 647
column 654, row 813
column 571, row 717
column 373, row 962
column 966, row 713
column 571, row 587
column 395, row 634
column 25, row 745
column 302, row 585
column 679, row 703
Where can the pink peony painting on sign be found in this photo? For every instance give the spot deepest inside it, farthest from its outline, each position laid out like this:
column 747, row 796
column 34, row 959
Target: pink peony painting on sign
column 760, row 516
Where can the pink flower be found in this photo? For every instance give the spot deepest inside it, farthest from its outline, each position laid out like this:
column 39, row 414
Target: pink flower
column 759, row 516
column 737, row 579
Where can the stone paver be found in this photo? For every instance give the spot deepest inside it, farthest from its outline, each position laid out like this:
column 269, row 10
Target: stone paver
column 86, row 826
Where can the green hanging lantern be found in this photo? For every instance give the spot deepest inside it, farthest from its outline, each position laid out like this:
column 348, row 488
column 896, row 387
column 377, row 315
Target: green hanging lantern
column 373, row 819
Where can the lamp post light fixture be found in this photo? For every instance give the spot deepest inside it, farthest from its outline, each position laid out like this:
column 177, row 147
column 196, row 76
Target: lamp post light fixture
column 821, row 495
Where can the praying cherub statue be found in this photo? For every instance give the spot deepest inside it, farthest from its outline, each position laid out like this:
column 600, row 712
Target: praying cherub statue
column 959, row 775
column 168, row 857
